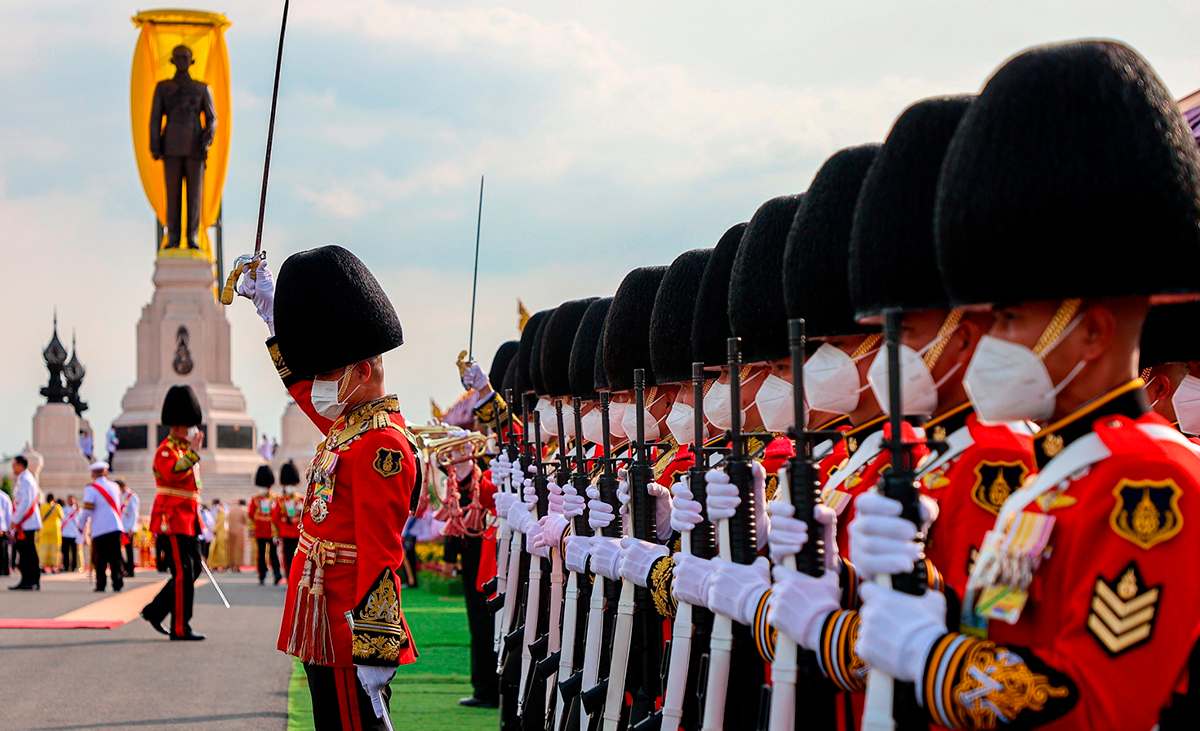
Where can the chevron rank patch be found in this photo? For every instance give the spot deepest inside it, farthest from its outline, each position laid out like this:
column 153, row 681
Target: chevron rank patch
column 1122, row 611
column 995, row 481
column 1146, row 513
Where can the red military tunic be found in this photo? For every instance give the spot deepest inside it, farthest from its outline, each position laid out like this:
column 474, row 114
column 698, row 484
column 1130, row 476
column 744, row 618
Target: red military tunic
column 286, row 516
column 262, row 507
column 1104, row 637
column 350, row 551
column 970, row 487
column 177, row 488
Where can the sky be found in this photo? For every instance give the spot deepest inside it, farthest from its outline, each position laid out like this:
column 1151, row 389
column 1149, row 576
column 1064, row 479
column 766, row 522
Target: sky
column 613, row 135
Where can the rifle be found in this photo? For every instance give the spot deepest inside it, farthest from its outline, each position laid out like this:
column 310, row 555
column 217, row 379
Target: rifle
column 504, row 599
column 509, row 661
column 570, row 682
column 548, row 668
column 794, row 671
column 891, row 704
column 641, row 508
column 601, row 617
column 692, row 623
column 737, row 543
column 535, row 609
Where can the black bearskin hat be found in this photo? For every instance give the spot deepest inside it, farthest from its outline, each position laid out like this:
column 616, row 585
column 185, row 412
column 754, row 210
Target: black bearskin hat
column 535, row 356
column 510, row 380
column 627, row 328
column 264, row 477
column 504, row 354
column 587, row 366
column 557, row 342
column 525, row 352
column 330, row 312
column 893, row 263
column 1073, row 174
column 181, row 408
column 710, row 324
column 756, row 311
column 1171, row 335
column 671, row 319
column 816, row 283
column 288, row 474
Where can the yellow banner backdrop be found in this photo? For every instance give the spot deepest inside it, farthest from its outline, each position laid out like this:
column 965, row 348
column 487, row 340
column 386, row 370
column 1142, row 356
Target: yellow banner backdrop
column 204, row 34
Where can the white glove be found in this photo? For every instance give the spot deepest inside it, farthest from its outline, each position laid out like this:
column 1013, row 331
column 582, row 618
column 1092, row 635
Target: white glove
column 898, row 630
column 881, row 542
column 800, row 603
column 555, row 500
column 606, row 557
column 533, row 544
column 575, row 553
column 519, row 517
column 623, row 496
column 504, row 503
column 637, row 557
column 573, row 502
column 373, row 680
column 685, row 512
column 500, row 468
column 528, row 491
column 789, row 534
column 261, row 291
column 474, row 377
column 737, row 589
column 662, row 505
column 692, row 579
column 600, row 513
column 722, row 496
column 553, row 526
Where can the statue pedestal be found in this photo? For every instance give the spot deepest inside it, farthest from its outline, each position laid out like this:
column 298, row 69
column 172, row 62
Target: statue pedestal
column 298, row 440
column 183, row 338
column 56, row 437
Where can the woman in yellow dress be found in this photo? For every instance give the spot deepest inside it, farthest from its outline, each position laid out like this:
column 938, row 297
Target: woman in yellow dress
column 218, row 553
column 49, row 540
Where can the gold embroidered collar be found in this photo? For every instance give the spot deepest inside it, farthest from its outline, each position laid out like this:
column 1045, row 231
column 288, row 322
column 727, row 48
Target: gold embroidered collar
column 1127, row 400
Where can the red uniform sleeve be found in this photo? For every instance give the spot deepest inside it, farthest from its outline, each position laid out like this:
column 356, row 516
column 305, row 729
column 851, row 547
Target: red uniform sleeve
column 298, row 386
column 487, row 492
column 383, row 478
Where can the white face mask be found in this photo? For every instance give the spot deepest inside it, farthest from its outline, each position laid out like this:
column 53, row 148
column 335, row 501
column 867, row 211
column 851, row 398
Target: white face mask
column 264, row 490
column 681, row 422
column 774, row 401
column 629, row 421
column 288, row 489
column 549, row 417
column 918, row 390
column 718, row 404
column 568, row 422
column 1009, row 382
column 1186, row 401
column 616, row 415
column 593, row 427
column 324, row 396
column 831, row 381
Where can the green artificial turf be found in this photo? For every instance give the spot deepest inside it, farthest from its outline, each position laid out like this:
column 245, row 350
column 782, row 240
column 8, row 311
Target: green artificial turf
column 425, row 694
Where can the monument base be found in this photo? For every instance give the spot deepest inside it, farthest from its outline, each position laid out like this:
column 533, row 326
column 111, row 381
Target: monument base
column 56, row 438
column 183, row 338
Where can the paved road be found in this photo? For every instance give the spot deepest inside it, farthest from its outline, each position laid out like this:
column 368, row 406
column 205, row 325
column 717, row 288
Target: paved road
column 132, row 677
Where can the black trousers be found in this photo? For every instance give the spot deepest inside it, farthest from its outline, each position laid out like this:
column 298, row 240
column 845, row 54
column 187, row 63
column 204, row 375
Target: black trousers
column 480, row 621
column 289, row 550
column 339, row 702
column 106, row 552
column 27, row 559
column 129, row 558
column 70, row 554
column 3, row 554
column 265, row 548
column 175, row 599
column 176, row 169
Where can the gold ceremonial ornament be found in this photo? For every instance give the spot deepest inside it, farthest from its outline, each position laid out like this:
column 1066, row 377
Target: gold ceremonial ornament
column 236, row 273
column 447, row 445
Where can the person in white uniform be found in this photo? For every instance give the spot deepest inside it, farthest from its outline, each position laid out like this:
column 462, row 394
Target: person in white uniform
column 102, row 505
column 27, row 521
